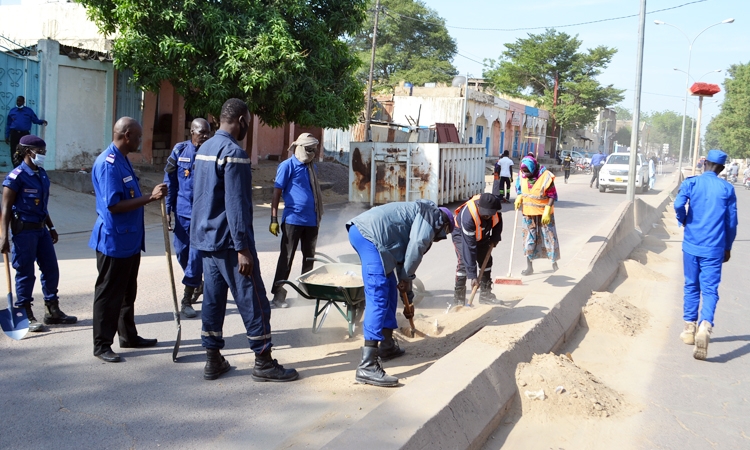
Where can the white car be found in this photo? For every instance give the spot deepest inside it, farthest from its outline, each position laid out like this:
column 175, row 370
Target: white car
column 614, row 173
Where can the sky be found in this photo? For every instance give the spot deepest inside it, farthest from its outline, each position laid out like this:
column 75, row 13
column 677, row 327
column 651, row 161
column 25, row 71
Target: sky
column 665, row 48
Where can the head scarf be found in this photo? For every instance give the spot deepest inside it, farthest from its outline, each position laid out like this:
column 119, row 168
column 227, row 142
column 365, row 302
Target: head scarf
column 535, row 170
column 299, row 147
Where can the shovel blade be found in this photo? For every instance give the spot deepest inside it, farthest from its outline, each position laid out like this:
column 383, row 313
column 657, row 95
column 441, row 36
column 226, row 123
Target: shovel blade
column 13, row 320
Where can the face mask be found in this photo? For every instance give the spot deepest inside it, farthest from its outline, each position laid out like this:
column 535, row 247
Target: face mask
column 303, row 154
column 21, row 107
column 38, row 160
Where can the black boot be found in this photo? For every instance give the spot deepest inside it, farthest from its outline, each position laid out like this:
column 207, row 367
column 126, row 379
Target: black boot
column 268, row 369
column 389, row 348
column 529, row 268
column 216, row 365
column 459, row 296
column 198, row 292
column 371, row 372
column 53, row 314
column 34, row 326
column 486, row 297
column 187, row 310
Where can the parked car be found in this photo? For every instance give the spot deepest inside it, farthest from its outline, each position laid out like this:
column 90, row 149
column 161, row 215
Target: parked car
column 577, row 156
column 614, row 173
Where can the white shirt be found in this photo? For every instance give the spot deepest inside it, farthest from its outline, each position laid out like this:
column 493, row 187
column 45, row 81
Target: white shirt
column 505, row 165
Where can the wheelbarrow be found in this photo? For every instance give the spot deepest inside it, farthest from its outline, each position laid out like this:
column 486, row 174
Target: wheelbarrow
column 352, row 298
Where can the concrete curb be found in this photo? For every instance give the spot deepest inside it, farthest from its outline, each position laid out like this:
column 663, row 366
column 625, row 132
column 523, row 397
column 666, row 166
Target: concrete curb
column 462, row 397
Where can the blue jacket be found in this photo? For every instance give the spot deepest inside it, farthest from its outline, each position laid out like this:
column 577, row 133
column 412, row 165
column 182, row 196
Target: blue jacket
column 222, row 196
column 293, row 178
column 178, row 174
column 118, row 235
column 402, row 232
column 598, row 159
column 711, row 220
column 32, row 193
column 21, row 120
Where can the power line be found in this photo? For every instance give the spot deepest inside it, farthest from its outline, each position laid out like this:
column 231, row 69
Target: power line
column 547, row 27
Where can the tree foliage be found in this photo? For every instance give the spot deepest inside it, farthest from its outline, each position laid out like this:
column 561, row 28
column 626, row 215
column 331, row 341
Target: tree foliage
column 623, row 136
column 730, row 129
column 413, row 45
column 285, row 58
column 664, row 128
column 623, row 113
column 527, row 69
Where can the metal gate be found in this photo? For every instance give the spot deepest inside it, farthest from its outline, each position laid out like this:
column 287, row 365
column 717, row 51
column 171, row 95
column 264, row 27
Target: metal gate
column 19, row 75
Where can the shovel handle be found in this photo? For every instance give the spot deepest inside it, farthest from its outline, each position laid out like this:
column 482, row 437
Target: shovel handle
column 7, row 272
column 513, row 241
column 410, row 307
column 481, row 273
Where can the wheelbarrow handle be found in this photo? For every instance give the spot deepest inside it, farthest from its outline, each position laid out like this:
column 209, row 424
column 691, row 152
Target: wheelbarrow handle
column 321, row 260
column 323, row 255
column 294, row 286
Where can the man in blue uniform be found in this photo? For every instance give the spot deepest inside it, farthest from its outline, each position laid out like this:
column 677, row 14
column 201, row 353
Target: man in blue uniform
column 18, row 125
column 222, row 229
column 24, row 211
column 710, row 228
column 179, row 179
column 297, row 181
column 118, row 238
column 391, row 241
column 477, row 231
column 597, row 161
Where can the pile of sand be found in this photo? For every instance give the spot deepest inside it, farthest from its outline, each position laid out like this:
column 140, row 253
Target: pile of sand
column 567, row 389
column 644, row 256
column 634, row 270
column 608, row 312
column 333, row 279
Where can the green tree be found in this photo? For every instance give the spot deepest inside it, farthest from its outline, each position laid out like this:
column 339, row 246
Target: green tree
column 623, row 113
column 623, row 136
column 413, row 45
column 730, row 129
column 664, row 128
column 528, row 69
column 286, row 58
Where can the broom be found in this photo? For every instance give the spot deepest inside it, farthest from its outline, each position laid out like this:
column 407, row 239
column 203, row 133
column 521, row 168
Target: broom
column 508, row 279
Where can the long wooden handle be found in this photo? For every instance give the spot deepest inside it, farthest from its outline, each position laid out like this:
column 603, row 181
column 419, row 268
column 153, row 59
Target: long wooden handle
column 168, row 248
column 405, row 299
column 481, row 273
column 513, row 240
column 7, row 273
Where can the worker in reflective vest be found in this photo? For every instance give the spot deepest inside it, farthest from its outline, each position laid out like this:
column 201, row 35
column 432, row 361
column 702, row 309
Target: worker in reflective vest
column 477, row 230
column 536, row 190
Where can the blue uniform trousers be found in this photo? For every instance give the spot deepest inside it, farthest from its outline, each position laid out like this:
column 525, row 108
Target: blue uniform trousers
column 381, row 290
column 30, row 246
column 702, row 276
column 220, row 273
column 189, row 258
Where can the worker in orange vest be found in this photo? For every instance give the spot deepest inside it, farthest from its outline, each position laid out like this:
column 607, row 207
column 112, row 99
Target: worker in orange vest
column 477, row 230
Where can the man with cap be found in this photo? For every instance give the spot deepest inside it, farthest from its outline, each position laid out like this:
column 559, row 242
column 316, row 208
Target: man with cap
column 178, row 177
column 18, row 124
column 710, row 228
column 297, row 181
column 119, row 237
column 24, row 211
column 478, row 226
column 391, row 240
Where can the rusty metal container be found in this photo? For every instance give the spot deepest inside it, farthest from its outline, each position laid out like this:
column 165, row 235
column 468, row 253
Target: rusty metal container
column 443, row 173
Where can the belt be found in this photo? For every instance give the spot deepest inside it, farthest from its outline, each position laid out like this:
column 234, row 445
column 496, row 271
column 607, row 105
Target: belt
column 33, row 225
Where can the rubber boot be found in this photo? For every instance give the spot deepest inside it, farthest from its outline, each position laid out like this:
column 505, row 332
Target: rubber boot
column 268, row 369
column 34, row 326
column 486, row 296
column 216, row 365
column 53, row 315
column 187, row 309
column 389, row 348
column 198, row 292
column 529, row 268
column 371, row 372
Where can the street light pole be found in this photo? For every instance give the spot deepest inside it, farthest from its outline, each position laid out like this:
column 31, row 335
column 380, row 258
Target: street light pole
column 637, row 106
column 368, row 110
column 697, row 133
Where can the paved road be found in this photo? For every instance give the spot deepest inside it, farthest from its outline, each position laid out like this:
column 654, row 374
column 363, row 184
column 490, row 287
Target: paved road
column 56, row 393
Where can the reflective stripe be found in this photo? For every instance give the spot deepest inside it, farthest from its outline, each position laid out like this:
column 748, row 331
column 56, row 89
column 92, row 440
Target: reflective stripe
column 211, row 333
column 205, row 158
column 259, row 338
column 473, row 210
column 534, row 200
column 231, row 159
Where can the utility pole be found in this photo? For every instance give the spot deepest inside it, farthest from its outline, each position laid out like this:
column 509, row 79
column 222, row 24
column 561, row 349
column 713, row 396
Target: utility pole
column 637, row 106
column 368, row 110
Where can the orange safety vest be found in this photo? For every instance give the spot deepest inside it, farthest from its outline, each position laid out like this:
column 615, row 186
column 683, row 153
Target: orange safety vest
column 474, row 211
column 534, row 200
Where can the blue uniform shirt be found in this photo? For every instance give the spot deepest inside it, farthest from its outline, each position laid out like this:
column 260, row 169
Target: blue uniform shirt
column 179, row 178
column 711, row 220
column 118, row 235
column 32, row 192
column 598, row 159
column 222, row 196
column 293, row 178
column 20, row 119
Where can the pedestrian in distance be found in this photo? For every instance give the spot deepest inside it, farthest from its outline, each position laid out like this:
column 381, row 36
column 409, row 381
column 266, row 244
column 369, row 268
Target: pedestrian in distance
column 17, row 125
column 119, row 237
column 179, row 177
column 222, row 230
column 566, row 162
column 297, row 181
column 477, row 229
column 503, row 177
column 536, row 192
column 597, row 161
column 391, row 241
column 24, row 212
column 651, row 172
column 710, row 223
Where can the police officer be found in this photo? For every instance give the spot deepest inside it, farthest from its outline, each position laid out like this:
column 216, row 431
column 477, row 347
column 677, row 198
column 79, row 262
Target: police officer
column 179, row 179
column 477, row 230
column 222, row 229
column 118, row 238
column 24, row 208
column 17, row 125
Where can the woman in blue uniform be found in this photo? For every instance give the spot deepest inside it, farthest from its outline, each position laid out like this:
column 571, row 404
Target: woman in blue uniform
column 24, row 211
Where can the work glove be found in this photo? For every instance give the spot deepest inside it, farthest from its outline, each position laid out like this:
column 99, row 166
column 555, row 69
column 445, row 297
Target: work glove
column 518, row 202
column 547, row 216
column 474, row 283
column 274, row 227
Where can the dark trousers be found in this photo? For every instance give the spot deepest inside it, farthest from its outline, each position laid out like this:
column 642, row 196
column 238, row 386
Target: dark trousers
column 567, row 173
column 114, row 300
column 483, row 247
column 29, row 247
column 15, row 138
column 291, row 235
column 595, row 174
column 505, row 187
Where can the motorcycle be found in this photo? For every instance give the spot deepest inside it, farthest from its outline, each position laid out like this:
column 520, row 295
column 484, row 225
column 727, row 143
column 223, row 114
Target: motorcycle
column 732, row 178
column 746, row 183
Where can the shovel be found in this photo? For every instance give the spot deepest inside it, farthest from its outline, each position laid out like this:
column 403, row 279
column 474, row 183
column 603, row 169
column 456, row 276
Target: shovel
column 405, row 299
column 168, row 248
column 13, row 320
column 481, row 273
